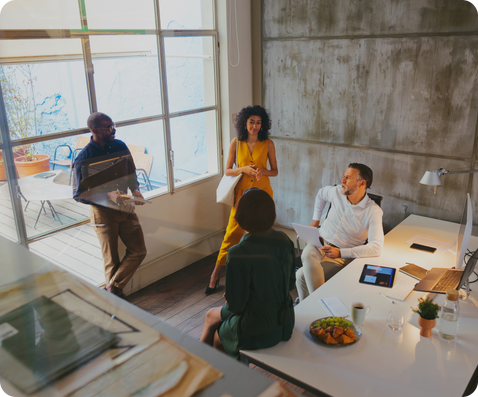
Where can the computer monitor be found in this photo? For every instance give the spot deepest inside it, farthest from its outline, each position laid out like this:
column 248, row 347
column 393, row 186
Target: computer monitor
column 464, row 233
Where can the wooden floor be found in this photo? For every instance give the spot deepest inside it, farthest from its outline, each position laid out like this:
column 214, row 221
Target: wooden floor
column 76, row 250
column 180, row 301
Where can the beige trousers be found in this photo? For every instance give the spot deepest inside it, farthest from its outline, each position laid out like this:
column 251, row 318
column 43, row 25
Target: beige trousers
column 110, row 224
column 316, row 270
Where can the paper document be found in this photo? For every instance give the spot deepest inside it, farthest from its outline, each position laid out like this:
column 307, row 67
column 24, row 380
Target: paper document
column 132, row 199
column 441, row 246
column 335, row 307
column 307, row 233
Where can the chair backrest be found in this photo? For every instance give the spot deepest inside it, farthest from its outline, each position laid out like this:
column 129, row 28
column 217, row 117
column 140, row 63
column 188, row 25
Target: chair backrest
column 143, row 161
column 136, row 149
column 82, row 141
column 376, row 198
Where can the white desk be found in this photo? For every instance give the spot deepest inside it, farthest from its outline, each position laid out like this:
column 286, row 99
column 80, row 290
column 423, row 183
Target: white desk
column 34, row 188
column 383, row 362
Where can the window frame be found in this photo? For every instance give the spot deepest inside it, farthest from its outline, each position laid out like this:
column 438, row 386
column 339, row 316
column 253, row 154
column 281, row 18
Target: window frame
column 6, row 144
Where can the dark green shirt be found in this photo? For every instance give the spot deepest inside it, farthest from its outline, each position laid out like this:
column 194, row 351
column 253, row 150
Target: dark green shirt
column 260, row 273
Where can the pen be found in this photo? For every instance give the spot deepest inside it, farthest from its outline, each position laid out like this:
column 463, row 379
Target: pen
column 382, row 295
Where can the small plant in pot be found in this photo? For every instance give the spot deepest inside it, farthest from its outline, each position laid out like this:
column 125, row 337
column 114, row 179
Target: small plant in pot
column 428, row 313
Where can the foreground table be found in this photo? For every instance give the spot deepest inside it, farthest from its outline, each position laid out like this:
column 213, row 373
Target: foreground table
column 383, row 362
column 18, row 263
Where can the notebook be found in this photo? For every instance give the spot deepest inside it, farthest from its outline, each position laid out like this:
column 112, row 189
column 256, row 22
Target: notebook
column 414, row 271
column 41, row 341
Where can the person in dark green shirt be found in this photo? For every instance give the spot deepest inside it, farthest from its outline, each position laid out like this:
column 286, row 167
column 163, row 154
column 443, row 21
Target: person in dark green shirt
column 260, row 273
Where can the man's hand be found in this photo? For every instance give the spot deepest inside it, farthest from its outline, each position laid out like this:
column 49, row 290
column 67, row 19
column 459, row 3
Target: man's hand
column 315, row 224
column 331, row 252
column 115, row 196
column 137, row 193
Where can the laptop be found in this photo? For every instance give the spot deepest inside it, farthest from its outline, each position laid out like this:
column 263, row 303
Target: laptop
column 41, row 341
column 438, row 280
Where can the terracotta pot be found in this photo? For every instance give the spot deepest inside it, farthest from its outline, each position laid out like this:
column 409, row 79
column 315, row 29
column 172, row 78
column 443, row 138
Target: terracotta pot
column 3, row 173
column 426, row 326
column 26, row 168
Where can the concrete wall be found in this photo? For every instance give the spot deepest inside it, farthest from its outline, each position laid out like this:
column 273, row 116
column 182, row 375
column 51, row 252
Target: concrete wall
column 388, row 83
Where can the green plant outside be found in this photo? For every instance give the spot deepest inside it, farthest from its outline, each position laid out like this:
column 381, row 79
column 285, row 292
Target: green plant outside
column 20, row 105
column 427, row 309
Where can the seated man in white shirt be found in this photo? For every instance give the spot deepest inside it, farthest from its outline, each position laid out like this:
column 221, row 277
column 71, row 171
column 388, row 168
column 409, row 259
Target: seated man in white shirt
column 353, row 218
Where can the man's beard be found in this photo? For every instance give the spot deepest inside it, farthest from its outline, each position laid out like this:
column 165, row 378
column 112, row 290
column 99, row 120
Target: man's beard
column 349, row 191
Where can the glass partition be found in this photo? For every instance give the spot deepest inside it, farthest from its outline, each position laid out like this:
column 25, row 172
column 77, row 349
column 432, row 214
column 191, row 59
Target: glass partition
column 120, row 14
column 34, row 14
column 146, row 144
column 51, row 85
column 194, row 142
column 43, row 97
column 190, row 72
column 186, row 14
column 45, row 185
column 127, row 76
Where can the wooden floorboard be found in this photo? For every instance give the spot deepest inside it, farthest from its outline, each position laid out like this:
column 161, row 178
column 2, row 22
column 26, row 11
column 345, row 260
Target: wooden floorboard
column 179, row 300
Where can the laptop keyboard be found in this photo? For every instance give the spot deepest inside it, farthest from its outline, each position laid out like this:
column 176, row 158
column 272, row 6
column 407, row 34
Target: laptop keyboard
column 448, row 280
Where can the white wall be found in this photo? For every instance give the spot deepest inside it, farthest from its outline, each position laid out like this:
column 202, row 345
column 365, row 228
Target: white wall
column 189, row 225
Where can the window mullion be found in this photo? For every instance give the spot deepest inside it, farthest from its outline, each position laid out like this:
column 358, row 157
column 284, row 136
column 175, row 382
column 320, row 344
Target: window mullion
column 165, row 100
column 89, row 71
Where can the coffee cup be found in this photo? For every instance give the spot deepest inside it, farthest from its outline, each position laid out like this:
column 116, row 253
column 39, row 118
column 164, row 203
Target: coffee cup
column 359, row 310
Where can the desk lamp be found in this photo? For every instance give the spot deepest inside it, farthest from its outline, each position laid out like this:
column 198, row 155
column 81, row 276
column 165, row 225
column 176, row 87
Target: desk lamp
column 433, row 177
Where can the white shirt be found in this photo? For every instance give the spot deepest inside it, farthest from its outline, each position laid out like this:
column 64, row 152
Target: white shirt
column 348, row 226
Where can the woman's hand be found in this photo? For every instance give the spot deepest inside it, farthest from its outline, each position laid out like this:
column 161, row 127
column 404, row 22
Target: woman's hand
column 258, row 173
column 249, row 170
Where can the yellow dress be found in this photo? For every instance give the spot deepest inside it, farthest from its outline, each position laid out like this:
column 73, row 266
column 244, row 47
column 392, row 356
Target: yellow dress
column 258, row 157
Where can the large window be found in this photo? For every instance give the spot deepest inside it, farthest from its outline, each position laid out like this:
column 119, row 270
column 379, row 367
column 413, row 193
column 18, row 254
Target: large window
column 151, row 65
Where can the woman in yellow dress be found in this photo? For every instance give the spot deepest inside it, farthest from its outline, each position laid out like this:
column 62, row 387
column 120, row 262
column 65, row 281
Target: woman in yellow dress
column 254, row 149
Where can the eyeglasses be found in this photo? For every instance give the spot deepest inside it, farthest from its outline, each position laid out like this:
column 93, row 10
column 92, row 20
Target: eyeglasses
column 112, row 127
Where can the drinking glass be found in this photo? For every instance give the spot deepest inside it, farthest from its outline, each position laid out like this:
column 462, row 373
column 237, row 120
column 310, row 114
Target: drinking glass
column 395, row 320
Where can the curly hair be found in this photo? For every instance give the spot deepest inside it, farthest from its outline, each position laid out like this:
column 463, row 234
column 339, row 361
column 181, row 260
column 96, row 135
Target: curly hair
column 243, row 116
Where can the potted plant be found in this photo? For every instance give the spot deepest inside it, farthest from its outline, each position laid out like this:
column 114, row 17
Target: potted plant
column 21, row 107
column 427, row 314
column 3, row 174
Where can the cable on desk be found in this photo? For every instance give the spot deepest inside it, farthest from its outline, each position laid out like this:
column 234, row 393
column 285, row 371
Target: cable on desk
column 470, row 255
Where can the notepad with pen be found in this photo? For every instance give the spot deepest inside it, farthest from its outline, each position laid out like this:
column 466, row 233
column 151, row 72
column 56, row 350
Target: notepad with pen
column 335, row 307
column 402, row 288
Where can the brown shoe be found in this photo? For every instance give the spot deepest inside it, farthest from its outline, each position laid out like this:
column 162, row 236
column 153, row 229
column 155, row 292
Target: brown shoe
column 115, row 290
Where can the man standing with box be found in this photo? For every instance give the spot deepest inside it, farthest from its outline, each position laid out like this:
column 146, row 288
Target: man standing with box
column 104, row 170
